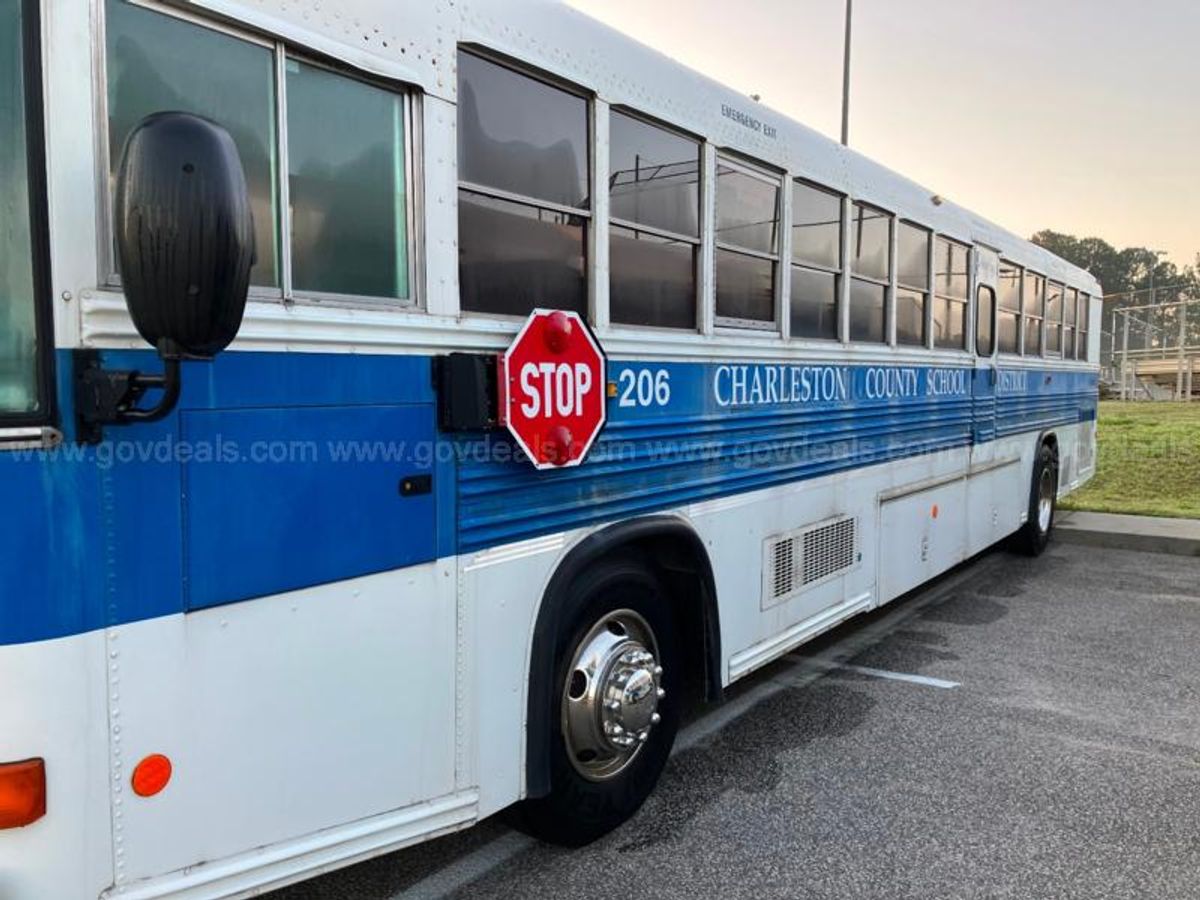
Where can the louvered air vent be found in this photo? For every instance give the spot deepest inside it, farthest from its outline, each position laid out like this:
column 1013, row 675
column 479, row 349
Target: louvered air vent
column 806, row 557
column 783, row 568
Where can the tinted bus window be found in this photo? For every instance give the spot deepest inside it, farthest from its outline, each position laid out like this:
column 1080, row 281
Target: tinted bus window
column 912, row 278
column 951, row 290
column 523, row 191
column 1054, row 314
column 1033, row 299
column 521, row 135
column 654, row 239
column 747, row 244
column 871, row 271
column 652, row 279
column 816, row 261
column 1009, row 316
column 514, row 258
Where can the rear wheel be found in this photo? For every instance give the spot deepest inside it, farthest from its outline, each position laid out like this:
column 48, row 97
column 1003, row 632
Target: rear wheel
column 616, row 704
column 1043, row 499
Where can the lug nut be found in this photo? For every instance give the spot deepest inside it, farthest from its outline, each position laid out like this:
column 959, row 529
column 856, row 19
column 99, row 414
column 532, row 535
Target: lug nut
column 655, row 718
column 661, row 693
column 657, row 671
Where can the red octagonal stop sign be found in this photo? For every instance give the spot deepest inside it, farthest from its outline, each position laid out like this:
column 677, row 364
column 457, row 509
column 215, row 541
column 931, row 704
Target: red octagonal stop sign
column 552, row 388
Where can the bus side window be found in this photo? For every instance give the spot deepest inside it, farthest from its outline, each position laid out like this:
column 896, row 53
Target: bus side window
column 1010, row 308
column 654, row 239
column 523, row 198
column 871, row 272
column 985, row 324
column 912, row 283
column 747, row 244
column 1070, row 310
column 1085, row 312
column 1033, row 299
column 1054, row 318
column 951, row 279
column 346, row 185
column 816, row 261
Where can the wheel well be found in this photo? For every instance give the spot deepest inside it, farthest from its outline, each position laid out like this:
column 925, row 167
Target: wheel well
column 676, row 553
column 1050, row 439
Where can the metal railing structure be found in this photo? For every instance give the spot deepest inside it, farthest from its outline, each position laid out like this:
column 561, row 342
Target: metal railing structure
column 1151, row 351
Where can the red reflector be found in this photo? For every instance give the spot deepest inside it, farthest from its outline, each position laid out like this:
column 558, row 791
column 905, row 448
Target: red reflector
column 22, row 792
column 151, row 775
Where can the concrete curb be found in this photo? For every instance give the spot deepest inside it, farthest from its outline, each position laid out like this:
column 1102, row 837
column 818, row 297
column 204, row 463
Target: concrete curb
column 1179, row 537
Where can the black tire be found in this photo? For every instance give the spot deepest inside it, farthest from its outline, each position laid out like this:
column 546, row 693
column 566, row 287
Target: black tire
column 577, row 810
column 1035, row 533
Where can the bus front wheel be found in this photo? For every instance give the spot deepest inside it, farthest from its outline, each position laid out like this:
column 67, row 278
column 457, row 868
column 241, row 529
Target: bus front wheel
column 617, row 700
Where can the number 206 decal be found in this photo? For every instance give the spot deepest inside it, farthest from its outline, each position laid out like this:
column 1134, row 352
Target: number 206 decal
column 644, row 387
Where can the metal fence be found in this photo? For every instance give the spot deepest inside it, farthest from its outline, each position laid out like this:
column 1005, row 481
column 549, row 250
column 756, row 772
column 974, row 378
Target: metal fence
column 1151, row 351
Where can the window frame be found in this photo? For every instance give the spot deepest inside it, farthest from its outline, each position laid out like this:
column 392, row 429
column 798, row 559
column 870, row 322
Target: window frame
column 1083, row 326
column 767, row 175
column 1071, row 351
column 968, row 344
column 409, row 111
column 839, row 273
column 1040, row 317
column 588, row 214
column 697, row 242
column 888, row 283
column 281, row 51
column 1019, row 312
column 1048, row 323
column 47, row 412
column 926, row 293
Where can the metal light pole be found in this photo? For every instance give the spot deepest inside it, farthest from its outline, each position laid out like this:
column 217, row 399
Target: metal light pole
column 1155, row 254
column 1125, row 355
column 1154, row 265
column 846, row 77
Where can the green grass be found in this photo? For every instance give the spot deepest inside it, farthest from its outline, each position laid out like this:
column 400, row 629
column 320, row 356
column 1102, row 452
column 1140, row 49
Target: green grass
column 1148, row 461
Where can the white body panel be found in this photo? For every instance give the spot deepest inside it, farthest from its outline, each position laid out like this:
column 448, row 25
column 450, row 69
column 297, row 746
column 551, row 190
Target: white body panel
column 53, row 705
column 286, row 714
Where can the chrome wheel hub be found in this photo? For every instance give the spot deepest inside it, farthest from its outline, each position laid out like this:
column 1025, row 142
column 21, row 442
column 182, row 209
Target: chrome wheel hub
column 610, row 700
column 1045, row 499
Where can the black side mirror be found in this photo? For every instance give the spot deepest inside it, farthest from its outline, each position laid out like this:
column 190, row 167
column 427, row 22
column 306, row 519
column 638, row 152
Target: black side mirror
column 185, row 234
column 185, row 244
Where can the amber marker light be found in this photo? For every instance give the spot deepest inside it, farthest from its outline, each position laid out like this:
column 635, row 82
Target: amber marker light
column 22, row 792
column 151, row 775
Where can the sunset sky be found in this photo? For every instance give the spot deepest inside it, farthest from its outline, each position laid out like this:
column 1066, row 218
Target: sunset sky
column 1078, row 115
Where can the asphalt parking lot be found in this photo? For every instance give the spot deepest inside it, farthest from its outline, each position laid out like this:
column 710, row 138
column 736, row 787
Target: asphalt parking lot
column 1022, row 728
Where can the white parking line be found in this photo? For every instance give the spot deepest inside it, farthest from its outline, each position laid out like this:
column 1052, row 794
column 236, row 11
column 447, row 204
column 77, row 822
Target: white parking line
column 478, row 863
column 466, row 869
column 880, row 673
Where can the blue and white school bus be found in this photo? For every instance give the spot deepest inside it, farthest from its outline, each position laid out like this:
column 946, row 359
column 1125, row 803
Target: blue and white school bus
column 273, row 607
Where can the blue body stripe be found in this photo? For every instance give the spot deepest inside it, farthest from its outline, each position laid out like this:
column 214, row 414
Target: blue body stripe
column 283, row 470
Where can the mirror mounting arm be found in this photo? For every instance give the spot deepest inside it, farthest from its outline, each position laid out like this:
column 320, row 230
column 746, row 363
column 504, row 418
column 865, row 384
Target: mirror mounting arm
column 111, row 397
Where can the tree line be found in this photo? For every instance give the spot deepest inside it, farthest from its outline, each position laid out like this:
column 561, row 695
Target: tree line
column 1122, row 271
